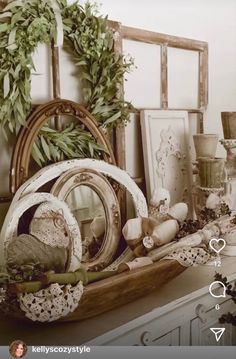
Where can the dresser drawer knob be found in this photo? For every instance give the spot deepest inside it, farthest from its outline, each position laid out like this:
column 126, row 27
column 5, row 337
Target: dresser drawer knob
column 145, row 338
column 201, row 312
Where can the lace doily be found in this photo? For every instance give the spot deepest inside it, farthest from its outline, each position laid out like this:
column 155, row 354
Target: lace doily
column 50, row 226
column 188, row 257
column 51, row 303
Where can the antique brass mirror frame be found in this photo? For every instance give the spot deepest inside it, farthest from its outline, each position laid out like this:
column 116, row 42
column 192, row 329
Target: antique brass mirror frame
column 74, row 178
column 20, row 162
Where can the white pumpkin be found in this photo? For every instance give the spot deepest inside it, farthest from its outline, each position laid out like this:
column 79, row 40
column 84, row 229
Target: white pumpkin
column 179, row 211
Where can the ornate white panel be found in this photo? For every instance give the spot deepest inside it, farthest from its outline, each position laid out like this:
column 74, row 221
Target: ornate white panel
column 166, row 153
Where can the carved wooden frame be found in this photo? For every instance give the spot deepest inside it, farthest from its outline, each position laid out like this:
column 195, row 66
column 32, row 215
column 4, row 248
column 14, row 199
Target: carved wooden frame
column 97, row 182
column 27, row 135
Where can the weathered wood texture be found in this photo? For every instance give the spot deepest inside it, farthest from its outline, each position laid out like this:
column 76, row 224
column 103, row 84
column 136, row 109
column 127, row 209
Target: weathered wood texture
column 123, row 288
column 56, row 80
column 201, row 122
column 203, row 78
column 166, row 41
column 191, row 110
column 55, row 71
column 119, row 140
column 164, row 76
column 151, row 37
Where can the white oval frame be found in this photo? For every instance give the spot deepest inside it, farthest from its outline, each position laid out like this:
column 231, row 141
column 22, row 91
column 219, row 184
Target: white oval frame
column 14, row 214
column 55, row 170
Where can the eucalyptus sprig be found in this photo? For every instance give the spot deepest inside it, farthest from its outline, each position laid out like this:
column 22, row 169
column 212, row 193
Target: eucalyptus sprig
column 27, row 23
column 100, row 68
column 72, row 142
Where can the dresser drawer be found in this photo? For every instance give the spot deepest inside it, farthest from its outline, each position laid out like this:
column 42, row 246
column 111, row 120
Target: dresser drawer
column 209, row 318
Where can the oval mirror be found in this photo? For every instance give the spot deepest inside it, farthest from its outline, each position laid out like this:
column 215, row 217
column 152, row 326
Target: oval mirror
column 62, row 109
column 88, row 209
column 94, row 204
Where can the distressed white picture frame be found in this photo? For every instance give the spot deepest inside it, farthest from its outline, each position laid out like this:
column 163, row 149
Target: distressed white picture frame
column 166, row 150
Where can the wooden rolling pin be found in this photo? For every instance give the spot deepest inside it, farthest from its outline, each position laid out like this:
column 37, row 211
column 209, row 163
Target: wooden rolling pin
column 60, row 278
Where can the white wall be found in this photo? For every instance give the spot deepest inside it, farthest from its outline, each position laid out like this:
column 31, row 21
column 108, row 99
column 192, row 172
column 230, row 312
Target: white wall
column 213, row 21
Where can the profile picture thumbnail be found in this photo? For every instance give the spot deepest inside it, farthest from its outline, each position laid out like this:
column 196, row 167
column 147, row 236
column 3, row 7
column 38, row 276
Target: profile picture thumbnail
column 18, row 349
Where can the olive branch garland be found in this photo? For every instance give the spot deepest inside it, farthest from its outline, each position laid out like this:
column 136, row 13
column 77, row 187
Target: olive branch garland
column 24, row 24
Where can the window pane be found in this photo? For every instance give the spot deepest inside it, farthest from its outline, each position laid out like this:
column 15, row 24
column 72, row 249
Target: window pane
column 142, row 87
column 183, row 75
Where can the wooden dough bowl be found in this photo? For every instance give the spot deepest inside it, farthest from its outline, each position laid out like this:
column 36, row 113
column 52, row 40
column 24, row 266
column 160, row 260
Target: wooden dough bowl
column 123, row 288
column 110, row 293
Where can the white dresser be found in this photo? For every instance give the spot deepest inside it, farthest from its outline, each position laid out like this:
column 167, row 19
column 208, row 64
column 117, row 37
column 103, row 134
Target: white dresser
column 183, row 321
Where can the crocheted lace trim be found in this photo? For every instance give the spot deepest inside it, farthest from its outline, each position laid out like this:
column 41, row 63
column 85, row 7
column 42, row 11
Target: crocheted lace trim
column 188, row 257
column 51, row 303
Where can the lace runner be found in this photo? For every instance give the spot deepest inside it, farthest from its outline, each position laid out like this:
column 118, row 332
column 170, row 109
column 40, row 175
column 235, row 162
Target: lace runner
column 188, row 257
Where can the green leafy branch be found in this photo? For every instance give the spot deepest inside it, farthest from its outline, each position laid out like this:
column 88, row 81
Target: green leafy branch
column 26, row 25
column 91, row 42
column 88, row 37
column 72, row 142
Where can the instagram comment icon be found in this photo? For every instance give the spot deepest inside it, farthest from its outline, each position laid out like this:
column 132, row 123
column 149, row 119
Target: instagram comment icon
column 18, row 349
column 215, row 285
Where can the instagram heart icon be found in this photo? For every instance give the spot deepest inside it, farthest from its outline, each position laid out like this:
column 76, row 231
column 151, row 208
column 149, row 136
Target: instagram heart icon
column 217, row 244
